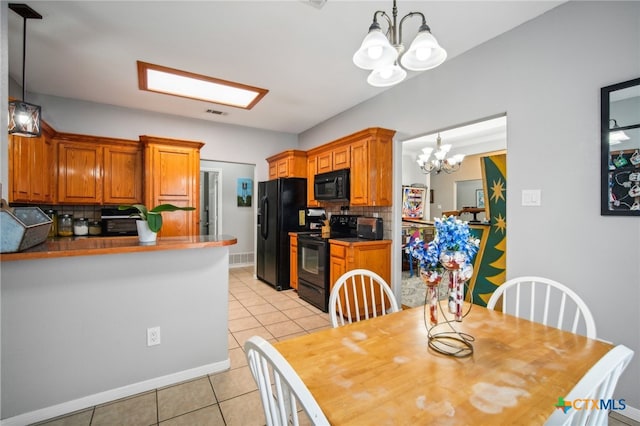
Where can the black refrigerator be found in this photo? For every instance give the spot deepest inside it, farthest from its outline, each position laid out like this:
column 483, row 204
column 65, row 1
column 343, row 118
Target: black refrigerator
column 281, row 209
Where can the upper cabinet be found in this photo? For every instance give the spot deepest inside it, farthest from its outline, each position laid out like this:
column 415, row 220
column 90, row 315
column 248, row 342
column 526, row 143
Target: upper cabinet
column 292, row 163
column 369, row 156
column 32, row 168
column 172, row 175
column 620, row 149
column 371, row 167
column 96, row 170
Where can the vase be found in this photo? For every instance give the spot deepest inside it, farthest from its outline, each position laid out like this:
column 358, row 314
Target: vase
column 145, row 235
column 432, row 279
column 461, row 270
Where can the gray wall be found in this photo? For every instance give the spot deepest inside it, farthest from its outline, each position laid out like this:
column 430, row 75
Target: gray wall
column 546, row 76
column 74, row 328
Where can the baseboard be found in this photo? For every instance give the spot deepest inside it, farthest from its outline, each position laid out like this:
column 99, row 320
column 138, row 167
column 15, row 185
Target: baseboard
column 630, row 412
column 113, row 394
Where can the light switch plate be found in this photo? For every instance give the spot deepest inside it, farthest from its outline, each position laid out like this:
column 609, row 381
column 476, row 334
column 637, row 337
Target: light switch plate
column 531, row 197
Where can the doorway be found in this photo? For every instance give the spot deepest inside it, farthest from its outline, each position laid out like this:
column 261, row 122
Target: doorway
column 210, row 201
column 448, row 191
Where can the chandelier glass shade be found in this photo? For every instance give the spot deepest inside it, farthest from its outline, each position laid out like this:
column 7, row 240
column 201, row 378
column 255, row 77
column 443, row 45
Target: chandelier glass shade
column 380, row 52
column 436, row 161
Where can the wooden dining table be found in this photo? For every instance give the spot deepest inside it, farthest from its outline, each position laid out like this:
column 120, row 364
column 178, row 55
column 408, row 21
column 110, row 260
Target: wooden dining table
column 382, row 372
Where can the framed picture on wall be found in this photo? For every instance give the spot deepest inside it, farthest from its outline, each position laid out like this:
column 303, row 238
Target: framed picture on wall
column 479, row 198
column 245, row 192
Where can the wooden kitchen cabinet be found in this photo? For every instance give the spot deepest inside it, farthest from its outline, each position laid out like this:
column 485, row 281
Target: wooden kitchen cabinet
column 291, row 163
column 172, row 175
column 79, row 172
column 97, row 170
column 122, row 181
column 337, row 158
column 346, row 256
column 293, row 260
column 312, row 170
column 369, row 156
column 373, row 255
column 32, row 168
column 371, row 167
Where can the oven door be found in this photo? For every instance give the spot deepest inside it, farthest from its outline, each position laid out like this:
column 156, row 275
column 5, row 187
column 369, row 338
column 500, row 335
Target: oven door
column 313, row 271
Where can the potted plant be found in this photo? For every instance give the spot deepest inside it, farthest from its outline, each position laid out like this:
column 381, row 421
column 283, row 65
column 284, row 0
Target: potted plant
column 150, row 220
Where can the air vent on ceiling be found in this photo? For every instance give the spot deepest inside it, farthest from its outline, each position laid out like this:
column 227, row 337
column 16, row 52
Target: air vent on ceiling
column 215, row 112
column 315, row 3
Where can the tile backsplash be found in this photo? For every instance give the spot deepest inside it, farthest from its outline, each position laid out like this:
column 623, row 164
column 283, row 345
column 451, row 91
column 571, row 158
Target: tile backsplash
column 383, row 212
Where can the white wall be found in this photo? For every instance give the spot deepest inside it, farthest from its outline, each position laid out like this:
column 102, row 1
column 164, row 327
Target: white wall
column 546, row 76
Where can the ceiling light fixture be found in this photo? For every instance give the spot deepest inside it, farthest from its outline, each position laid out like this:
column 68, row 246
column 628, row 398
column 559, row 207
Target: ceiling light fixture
column 24, row 118
column 439, row 162
column 169, row 81
column 615, row 134
column 380, row 51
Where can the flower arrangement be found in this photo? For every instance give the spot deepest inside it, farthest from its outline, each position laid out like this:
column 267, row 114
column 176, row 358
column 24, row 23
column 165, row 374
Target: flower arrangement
column 452, row 235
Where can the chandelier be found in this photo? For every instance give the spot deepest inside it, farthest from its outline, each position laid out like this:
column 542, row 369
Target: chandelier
column 439, row 162
column 380, row 51
column 24, row 118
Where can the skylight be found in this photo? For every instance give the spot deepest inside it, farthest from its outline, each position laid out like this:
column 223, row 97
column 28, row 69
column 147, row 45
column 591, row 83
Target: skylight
column 159, row 79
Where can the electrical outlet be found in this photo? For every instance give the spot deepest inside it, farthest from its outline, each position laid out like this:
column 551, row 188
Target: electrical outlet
column 153, row 336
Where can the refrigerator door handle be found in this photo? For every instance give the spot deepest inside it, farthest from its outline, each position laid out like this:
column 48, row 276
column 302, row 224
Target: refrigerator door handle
column 264, row 228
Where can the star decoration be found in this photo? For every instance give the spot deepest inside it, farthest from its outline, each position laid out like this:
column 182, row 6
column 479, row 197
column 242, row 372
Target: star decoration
column 497, row 189
column 500, row 223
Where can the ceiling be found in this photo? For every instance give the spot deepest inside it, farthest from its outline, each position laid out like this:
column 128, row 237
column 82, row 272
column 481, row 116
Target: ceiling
column 300, row 52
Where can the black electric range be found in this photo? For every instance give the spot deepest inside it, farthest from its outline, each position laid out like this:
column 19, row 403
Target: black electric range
column 313, row 259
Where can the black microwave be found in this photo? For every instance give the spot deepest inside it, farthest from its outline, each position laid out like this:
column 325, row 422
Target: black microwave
column 331, row 186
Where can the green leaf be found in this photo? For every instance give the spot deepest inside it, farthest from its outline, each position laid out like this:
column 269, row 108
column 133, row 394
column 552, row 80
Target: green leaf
column 168, row 208
column 140, row 207
column 154, row 220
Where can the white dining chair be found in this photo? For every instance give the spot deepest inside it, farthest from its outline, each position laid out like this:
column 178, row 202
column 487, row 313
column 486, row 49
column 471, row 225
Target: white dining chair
column 545, row 301
column 360, row 294
column 597, row 384
column 280, row 387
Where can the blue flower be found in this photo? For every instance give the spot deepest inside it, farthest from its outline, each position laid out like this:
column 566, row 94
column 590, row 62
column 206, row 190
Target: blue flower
column 451, row 235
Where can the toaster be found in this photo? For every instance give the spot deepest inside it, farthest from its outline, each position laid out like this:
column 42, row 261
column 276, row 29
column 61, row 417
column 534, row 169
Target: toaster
column 369, row 228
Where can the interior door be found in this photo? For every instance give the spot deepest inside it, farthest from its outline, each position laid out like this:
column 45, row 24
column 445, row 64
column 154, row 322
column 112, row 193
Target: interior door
column 210, row 201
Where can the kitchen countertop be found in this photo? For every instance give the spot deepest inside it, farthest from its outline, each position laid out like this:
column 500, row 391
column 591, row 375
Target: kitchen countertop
column 360, row 241
column 88, row 246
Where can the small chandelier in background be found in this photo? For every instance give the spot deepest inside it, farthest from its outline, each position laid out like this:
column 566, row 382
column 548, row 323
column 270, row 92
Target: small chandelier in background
column 24, row 118
column 439, row 162
column 380, row 51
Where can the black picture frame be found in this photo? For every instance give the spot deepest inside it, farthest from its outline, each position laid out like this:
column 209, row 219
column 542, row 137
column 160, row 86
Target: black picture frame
column 618, row 172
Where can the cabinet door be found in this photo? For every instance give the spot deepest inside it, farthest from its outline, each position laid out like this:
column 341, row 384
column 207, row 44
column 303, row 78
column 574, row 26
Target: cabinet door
column 342, row 158
column 31, row 169
column 273, row 170
column 283, row 168
column 311, row 173
column 79, row 173
column 325, row 162
column 20, row 163
column 173, row 178
column 359, row 173
column 293, row 261
column 337, row 263
column 122, row 175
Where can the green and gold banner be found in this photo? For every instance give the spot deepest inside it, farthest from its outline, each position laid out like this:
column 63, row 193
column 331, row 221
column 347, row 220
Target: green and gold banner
column 491, row 262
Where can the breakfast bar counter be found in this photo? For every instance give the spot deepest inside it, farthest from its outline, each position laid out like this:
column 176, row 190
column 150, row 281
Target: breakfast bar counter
column 90, row 246
column 77, row 315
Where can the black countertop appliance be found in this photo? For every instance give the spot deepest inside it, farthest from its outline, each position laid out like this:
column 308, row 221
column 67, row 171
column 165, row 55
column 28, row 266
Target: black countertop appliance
column 281, row 209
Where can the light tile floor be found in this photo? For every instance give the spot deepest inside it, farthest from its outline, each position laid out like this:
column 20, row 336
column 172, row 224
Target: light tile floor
column 229, row 398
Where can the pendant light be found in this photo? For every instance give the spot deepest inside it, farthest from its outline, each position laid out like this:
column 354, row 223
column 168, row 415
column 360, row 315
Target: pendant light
column 24, row 118
column 384, row 53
